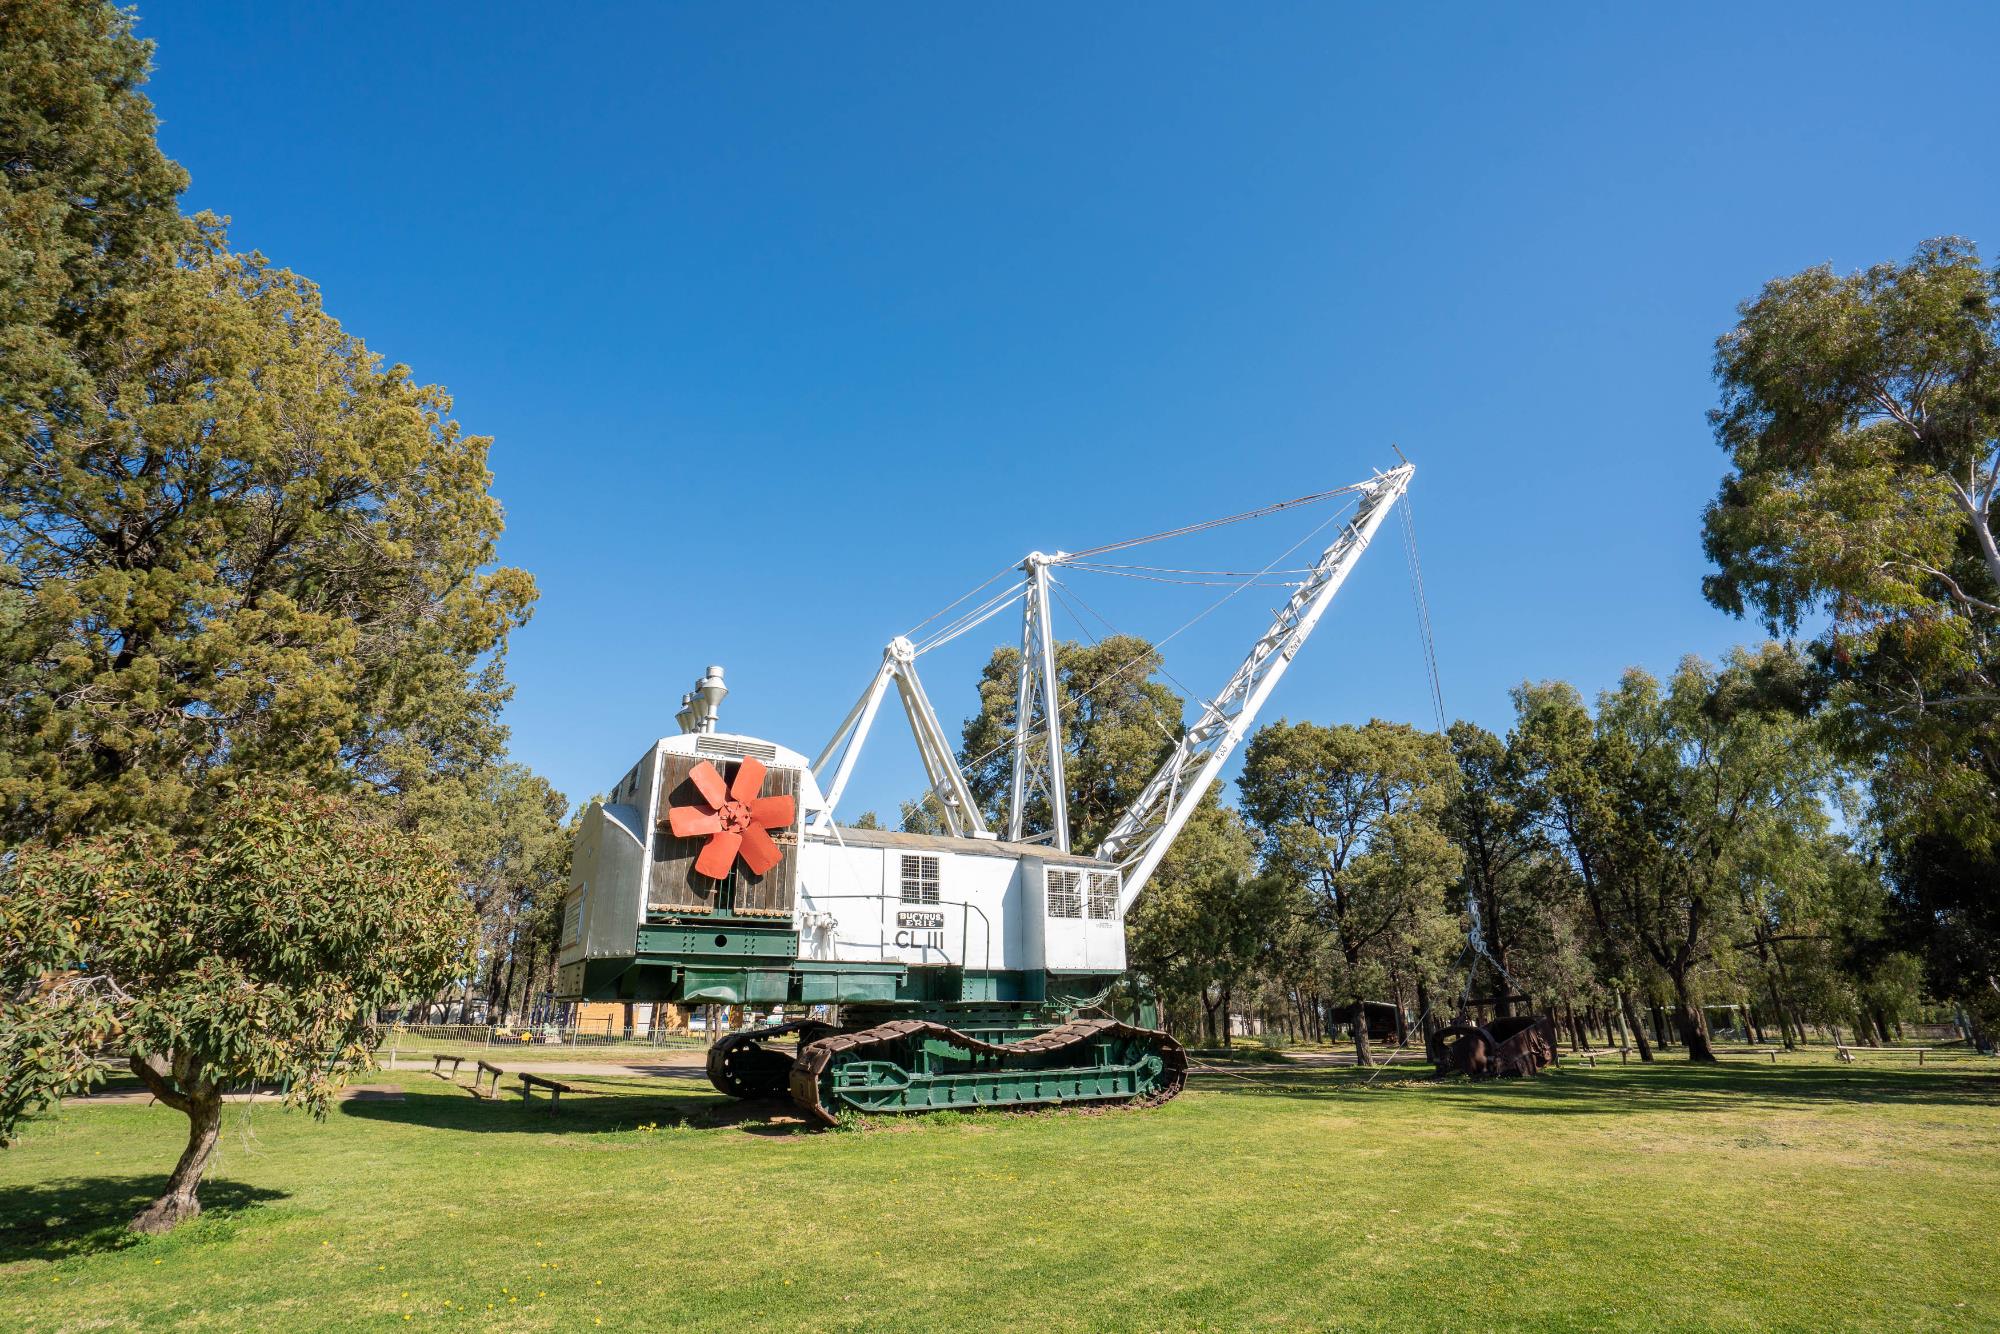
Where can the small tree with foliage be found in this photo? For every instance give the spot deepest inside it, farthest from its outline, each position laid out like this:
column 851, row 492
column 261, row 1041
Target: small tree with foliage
column 259, row 949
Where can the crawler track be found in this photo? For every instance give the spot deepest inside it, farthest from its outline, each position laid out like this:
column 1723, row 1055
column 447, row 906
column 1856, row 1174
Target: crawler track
column 910, row 1065
column 742, row 1066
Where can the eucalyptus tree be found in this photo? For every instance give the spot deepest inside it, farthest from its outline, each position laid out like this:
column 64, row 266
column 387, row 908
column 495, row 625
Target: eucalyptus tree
column 1861, row 415
column 1495, row 831
column 1205, row 923
column 1708, row 772
column 1567, row 775
column 1354, row 816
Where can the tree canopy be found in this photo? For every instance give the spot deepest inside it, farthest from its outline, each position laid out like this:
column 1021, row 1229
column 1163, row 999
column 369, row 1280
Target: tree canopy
column 1861, row 415
column 231, row 541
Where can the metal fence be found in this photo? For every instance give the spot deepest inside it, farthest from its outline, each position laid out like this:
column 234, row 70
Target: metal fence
column 587, row 1033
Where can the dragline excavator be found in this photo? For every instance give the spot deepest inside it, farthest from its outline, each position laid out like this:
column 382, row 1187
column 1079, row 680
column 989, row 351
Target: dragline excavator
column 965, row 968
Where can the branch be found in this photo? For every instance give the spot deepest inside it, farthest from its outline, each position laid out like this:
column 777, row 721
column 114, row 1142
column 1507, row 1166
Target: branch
column 153, row 1072
column 1982, row 532
column 1895, row 410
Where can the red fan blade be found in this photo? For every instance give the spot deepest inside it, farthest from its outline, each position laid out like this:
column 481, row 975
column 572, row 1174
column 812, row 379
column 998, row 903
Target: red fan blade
column 719, row 856
column 688, row 821
column 749, row 780
column 760, row 854
column 773, row 812
column 709, row 783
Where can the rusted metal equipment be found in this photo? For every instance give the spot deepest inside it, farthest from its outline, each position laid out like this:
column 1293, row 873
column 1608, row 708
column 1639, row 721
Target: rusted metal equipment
column 1520, row 1044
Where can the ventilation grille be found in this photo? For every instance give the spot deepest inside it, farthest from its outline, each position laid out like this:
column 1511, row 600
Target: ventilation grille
column 1103, row 895
column 1064, row 893
column 920, row 879
column 736, row 750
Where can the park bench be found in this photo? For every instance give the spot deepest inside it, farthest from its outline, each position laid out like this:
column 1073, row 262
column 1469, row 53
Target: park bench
column 437, row 1066
column 1845, row 1053
column 1590, row 1057
column 556, row 1088
column 486, row 1081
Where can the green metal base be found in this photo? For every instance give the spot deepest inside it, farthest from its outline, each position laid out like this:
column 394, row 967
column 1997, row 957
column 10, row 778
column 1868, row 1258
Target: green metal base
column 915, row 1065
column 727, row 960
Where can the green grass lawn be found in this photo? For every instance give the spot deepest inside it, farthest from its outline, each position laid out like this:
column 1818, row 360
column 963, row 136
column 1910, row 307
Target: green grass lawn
column 1802, row 1196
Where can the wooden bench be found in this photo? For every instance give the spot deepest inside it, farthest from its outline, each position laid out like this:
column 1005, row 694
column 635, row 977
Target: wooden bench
column 437, row 1066
column 1623, row 1054
column 1842, row 1052
column 486, row 1081
column 556, row 1088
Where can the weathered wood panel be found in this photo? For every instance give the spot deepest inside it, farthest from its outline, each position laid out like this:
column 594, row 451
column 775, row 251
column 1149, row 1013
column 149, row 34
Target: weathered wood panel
column 674, row 886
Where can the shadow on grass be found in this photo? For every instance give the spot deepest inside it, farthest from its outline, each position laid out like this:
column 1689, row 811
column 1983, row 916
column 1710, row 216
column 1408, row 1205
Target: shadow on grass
column 1661, row 1086
column 594, row 1108
column 72, row 1216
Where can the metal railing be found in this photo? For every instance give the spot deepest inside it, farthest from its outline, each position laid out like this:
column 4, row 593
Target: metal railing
column 596, row 1033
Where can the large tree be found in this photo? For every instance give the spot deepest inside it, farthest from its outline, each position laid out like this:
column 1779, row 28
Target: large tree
column 507, row 834
column 230, row 540
column 259, row 950
column 1354, row 816
column 1568, row 778
column 1861, row 414
column 1710, row 774
column 1495, row 831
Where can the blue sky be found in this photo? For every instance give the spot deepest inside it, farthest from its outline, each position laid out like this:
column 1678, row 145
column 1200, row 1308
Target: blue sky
column 792, row 322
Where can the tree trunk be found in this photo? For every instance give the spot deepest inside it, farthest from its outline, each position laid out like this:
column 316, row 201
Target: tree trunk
column 1881, row 1027
column 1633, row 1028
column 1361, row 1053
column 1976, row 1031
column 202, row 1103
column 1228, row 1019
column 1425, row 1018
column 1778, row 1009
column 1688, row 1019
column 528, row 986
